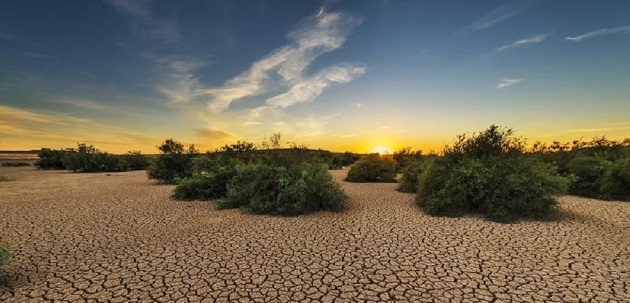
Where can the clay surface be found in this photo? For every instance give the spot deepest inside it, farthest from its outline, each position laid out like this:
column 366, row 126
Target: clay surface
column 120, row 238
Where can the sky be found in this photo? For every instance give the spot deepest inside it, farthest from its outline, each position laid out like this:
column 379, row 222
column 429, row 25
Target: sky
column 347, row 75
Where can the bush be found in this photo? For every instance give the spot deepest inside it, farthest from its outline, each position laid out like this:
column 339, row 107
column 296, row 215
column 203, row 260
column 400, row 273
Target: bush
column 4, row 257
column 88, row 159
column 615, row 183
column 50, row 159
column 3, row 177
column 173, row 164
column 488, row 173
column 136, row 160
column 372, row 169
column 348, row 158
column 589, row 171
column 406, row 157
column 207, row 186
column 411, row 175
column 286, row 191
column 15, row 164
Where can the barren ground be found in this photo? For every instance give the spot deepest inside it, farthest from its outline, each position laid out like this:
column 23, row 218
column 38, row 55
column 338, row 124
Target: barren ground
column 120, row 238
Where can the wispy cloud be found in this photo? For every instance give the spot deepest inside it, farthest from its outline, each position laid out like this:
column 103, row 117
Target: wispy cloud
column 28, row 128
column 285, row 66
column 39, row 56
column 522, row 42
column 313, row 125
column 599, row 32
column 309, row 89
column 500, row 14
column 605, row 128
column 177, row 78
column 507, row 82
column 348, row 136
column 146, row 24
column 215, row 134
column 10, row 37
column 9, row 114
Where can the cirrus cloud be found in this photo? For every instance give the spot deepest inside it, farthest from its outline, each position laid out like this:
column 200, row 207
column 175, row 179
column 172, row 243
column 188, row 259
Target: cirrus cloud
column 599, row 32
column 526, row 41
column 315, row 36
column 507, row 82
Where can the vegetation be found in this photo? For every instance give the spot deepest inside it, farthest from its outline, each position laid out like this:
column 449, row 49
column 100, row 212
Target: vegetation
column 274, row 181
column 50, row 159
column 411, row 175
column 136, row 160
column 615, row 184
column 3, row 177
column 489, row 173
column 208, row 186
column 406, row 157
column 281, row 190
column 4, row 257
column 173, row 164
column 88, row 159
column 599, row 166
column 15, row 164
column 372, row 168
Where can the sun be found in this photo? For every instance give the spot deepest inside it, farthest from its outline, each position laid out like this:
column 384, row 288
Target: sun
column 381, row 150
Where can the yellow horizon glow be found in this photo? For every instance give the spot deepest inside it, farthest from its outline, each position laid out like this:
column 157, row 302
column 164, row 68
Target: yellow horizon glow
column 381, row 150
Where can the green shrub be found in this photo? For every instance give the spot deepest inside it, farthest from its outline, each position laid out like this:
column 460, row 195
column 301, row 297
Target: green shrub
column 136, row 160
column 450, row 188
column 4, row 257
column 348, row 158
column 207, row 186
column 489, row 174
column 372, row 169
column 15, row 164
column 281, row 190
column 3, row 177
column 615, row 183
column 411, row 175
column 50, row 159
column 406, row 157
column 504, row 188
column 173, row 164
column 88, row 159
column 589, row 171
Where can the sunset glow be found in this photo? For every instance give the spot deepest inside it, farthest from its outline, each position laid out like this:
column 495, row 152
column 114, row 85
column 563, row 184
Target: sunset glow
column 341, row 76
column 381, row 150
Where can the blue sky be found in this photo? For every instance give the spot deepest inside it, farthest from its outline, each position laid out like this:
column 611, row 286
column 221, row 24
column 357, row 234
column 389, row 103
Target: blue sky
column 340, row 75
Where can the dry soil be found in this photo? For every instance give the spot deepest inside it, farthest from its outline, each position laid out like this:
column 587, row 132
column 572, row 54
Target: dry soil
column 120, row 238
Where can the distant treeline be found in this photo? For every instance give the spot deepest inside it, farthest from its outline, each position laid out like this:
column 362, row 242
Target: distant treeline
column 86, row 158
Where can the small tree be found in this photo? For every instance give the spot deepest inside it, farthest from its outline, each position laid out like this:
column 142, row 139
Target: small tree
column 173, row 164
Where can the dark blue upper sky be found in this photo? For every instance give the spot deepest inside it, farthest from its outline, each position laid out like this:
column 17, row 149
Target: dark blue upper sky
column 335, row 74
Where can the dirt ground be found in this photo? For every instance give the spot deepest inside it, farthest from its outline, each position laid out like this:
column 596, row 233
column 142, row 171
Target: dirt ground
column 120, row 238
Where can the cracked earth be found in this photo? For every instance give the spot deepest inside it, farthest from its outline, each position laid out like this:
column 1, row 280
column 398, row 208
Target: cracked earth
column 120, row 238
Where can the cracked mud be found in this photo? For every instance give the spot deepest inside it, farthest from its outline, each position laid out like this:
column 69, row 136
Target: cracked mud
column 120, row 238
